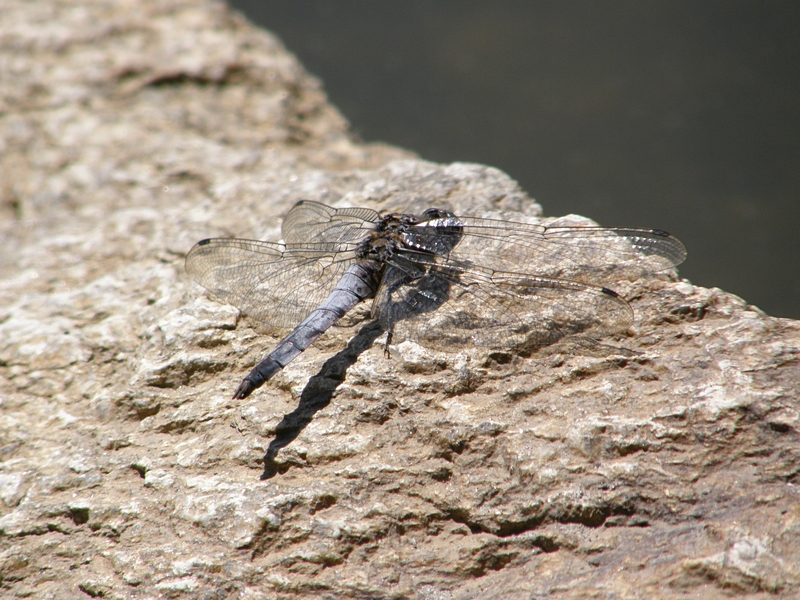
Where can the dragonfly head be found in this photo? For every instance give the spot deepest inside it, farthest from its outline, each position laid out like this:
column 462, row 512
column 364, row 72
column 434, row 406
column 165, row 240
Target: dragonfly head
column 435, row 213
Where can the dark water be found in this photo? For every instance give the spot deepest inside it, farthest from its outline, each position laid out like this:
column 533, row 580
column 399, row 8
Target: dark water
column 675, row 114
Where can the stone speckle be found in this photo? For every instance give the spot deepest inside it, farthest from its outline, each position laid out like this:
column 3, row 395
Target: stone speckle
column 662, row 463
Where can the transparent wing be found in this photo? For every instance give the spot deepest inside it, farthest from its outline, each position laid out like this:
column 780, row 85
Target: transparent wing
column 277, row 284
column 313, row 222
column 583, row 254
column 450, row 304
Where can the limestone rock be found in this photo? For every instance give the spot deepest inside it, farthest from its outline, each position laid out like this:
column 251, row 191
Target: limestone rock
column 663, row 464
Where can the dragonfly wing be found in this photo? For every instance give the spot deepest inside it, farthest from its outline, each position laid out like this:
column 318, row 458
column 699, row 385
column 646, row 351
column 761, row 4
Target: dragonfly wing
column 276, row 284
column 582, row 254
column 314, row 222
column 451, row 305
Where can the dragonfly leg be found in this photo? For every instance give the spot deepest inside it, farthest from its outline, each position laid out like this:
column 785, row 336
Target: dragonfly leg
column 386, row 351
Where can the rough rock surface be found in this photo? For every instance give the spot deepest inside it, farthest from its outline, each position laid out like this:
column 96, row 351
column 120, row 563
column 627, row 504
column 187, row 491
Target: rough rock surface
column 130, row 130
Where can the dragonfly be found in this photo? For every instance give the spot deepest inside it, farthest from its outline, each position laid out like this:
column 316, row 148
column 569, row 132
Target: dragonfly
column 442, row 280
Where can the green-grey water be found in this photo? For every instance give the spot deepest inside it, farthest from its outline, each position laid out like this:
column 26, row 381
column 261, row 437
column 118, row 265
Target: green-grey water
column 672, row 114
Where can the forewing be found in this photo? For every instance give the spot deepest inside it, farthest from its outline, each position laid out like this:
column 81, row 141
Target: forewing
column 313, row 222
column 454, row 304
column 276, row 284
column 583, row 254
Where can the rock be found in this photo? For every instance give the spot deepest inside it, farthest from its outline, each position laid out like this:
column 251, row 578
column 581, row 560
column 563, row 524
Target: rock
column 662, row 463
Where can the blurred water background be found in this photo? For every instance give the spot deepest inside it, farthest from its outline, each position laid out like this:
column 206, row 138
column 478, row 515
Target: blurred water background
column 678, row 114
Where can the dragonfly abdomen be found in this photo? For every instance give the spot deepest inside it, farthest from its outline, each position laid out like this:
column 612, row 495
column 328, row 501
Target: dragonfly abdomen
column 359, row 282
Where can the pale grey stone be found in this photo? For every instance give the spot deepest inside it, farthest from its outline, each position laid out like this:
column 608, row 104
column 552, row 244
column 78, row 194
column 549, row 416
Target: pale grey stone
column 661, row 463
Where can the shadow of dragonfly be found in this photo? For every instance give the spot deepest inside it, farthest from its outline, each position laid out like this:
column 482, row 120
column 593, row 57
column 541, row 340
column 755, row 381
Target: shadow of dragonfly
column 443, row 280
